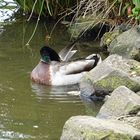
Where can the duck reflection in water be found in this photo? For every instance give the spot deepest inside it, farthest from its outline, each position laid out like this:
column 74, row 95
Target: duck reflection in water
column 58, row 93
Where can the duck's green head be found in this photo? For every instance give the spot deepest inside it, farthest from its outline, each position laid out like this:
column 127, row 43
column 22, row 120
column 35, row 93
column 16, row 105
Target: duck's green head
column 48, row 54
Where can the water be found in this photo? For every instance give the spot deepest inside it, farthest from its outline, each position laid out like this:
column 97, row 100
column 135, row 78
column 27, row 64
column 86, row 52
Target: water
column 27, row 110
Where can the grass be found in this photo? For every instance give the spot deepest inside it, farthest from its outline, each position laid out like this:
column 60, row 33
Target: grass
column 51, row 8
column 90, row 13
column 86, row 13
column 98, row 11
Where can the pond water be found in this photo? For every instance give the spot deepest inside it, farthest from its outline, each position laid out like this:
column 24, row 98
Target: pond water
column 27, row 110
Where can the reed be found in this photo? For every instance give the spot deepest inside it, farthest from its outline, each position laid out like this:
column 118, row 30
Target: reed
column 87, row 13
column 105, row 9
column 52, row 8
column 90, row 13
column 109, row 11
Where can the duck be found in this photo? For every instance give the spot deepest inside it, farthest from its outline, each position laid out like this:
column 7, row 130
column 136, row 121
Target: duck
column 57, row 69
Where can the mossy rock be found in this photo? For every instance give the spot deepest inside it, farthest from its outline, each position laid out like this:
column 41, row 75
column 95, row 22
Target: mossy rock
column 109, row 135
column 127, row 44
column 114, row 80
column 90, row 128
column 87, row 28
column 108, row 37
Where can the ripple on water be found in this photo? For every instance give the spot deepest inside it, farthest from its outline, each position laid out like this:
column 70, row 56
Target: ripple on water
column 4, row 88
column 57, row 93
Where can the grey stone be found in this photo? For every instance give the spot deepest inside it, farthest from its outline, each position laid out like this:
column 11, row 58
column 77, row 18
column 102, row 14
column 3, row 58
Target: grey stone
column 138, row 93
column 127, row 44
column 86, row 88
column 132, row 120
column 122, row 102
column 138, row 114
column 108, row 37
column 90, row 128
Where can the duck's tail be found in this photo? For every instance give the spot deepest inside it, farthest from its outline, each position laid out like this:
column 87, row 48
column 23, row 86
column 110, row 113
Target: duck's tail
column 96, row 57
column 67, row 52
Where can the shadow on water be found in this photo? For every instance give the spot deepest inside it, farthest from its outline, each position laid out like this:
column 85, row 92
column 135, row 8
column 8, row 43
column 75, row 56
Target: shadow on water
column 27, row 110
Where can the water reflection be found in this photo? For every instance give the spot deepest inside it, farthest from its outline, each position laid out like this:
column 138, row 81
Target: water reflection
column 7, row 9
column 91, row 107
column 58, row 93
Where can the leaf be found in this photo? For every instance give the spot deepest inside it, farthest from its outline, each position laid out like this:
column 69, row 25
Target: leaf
column 136, row 3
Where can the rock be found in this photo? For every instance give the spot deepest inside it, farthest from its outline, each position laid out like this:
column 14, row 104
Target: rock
column 127, row 44
column 90, row 128
column 93, row 32
column 87, row 91
column 108, row 37
column 86, row 88
column 132, row 120
column 138, row 114
column 122, row 102
column 138, row 93
column 113, row 72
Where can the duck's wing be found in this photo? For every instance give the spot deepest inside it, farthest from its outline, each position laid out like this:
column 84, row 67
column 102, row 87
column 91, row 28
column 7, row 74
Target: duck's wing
column 79, row 66
column 76, row 67
column 66, row 53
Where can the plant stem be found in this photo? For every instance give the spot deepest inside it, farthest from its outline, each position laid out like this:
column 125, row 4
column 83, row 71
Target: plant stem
column 36, row 24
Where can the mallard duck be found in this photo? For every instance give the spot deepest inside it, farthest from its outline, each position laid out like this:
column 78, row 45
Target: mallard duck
column 56, row 69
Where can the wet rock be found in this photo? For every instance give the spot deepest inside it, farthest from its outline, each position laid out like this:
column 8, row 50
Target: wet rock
column 122, row 102
column 127, row 44
column 90, row 128
column 113, row 72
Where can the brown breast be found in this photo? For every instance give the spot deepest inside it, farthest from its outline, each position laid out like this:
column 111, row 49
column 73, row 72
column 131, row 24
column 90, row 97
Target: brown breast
column 41, row 74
